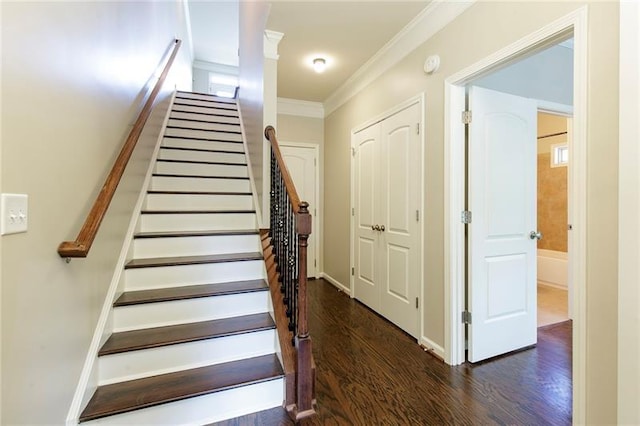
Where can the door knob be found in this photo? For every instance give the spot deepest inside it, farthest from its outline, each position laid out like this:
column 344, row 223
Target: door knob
column 373, row 228
column 382, row 228
column 377, row 227
column 535, row 235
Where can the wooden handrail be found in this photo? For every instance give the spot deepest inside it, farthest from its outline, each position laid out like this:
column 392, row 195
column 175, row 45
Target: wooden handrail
column 80, row 247
column 292, row 273
column 270, row 134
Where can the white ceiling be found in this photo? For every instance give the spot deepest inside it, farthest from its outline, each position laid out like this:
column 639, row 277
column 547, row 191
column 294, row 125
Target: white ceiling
column 348, row 33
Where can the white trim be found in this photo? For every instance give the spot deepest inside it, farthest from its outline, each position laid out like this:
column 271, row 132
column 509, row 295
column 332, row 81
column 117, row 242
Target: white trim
column 90, row 367
column 300, row 108
column 454, row 190
column 271, row 41
column 335, row 283
column 554, row 108
column 432, row 19
column 628, row 409
column 431, row 346
column 215, row 67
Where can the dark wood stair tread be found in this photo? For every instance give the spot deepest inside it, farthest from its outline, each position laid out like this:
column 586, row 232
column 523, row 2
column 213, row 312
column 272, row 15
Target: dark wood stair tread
column 200, row 139
column 217, row 163
column 199, row 193
column 189, row 292
column 170, row 234
column 180, row 95
column 123, row 397
column 220, row 151
column 173, row 175
column 198, row 212
column 155, row 337
column 192, row 260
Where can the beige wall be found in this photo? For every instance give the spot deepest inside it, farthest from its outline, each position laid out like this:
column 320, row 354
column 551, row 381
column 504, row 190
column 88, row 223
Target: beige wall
column 74, row 75
column 483, row 29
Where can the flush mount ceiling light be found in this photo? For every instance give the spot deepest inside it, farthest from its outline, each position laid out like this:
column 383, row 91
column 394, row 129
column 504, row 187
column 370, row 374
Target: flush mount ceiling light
column 319, row 65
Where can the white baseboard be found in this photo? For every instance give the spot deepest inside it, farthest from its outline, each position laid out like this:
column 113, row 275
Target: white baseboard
column 336, row 283
column 431, row 346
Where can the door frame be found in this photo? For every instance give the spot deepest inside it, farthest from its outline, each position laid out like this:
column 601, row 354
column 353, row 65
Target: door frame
column 316, row 225
column 420, row 100
column 454, row 141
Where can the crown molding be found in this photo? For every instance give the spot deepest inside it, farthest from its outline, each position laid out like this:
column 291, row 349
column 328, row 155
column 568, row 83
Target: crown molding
column 432, row 19
column 300, row 108
column 271, row 41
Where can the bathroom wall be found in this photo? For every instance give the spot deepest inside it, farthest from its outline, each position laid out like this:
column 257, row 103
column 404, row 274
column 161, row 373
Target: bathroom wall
column 552, row 185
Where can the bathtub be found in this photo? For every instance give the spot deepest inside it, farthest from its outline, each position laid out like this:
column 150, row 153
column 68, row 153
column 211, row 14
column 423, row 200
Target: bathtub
column 553, row 268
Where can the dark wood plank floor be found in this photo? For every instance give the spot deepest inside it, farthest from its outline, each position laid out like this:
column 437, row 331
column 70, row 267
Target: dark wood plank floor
column 371, row 373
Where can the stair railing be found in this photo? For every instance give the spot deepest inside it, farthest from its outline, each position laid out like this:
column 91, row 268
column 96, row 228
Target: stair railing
column 289, row 231
column 82, row 244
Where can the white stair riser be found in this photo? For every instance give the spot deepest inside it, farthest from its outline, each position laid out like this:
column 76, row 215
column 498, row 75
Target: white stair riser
column 193, row 124
column 148, row 315
column 150, row 362
column 201, row 169
column 196, row 222
column 205, row 110
column 210, row 156
column 205, row 134
column 205, row 409
column 197, row 202
column 172, row 183
column 144, row 248
column 204, row 97
column 202, row 117
column 183, row 275
column 199, row 144
column 207, row 103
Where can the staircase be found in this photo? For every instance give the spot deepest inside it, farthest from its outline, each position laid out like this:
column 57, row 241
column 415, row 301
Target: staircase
column 193, row 338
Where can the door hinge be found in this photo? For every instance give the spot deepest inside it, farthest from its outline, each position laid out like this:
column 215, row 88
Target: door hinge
column 416, row 303
column 465, row 217
column 466, row 117
column 353, row 152
column 417, row 215
column 353, row 211
column 314, row 162
column 417, row 128
column 466, row 317
column 353, row 271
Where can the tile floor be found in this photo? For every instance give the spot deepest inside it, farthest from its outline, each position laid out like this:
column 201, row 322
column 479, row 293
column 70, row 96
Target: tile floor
column 552, row 305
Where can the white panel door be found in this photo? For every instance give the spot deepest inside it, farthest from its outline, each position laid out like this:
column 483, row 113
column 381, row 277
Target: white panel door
column 400, row 192
column 302, row 164
column 387, row 233
column 367, row 205
column 502, row 200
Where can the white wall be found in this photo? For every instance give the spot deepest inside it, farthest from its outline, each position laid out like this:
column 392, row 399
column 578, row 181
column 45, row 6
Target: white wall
column 548, row 76
column 253, row 18
column 74, row 76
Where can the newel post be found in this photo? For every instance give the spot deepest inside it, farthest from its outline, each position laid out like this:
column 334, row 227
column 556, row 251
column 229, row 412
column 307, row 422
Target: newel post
column 303, row 341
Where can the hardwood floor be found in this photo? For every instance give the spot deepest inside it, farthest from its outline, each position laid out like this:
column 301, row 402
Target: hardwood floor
column 371, row 373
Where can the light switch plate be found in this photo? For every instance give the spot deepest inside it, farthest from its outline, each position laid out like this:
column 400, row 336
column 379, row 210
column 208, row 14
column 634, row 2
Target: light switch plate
column 14, row 213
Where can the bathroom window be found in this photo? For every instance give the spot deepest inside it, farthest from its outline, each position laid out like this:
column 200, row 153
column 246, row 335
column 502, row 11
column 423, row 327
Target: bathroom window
column 559, row 155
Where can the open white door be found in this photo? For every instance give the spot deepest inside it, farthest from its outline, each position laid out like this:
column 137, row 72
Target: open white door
column 502, row 234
